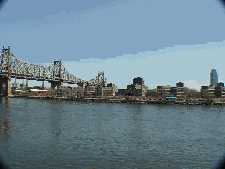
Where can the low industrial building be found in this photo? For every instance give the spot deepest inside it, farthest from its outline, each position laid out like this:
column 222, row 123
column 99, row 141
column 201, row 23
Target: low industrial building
column 122, row 92
column 37, row 92
column 109, row 90
column 70, row 91
column 17, row 92
column 89, row 91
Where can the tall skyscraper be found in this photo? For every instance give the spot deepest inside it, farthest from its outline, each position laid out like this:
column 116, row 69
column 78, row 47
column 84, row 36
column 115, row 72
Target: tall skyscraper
column 213, row 77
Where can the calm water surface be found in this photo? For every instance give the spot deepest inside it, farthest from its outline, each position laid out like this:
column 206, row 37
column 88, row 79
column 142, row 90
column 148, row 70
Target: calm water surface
column 67, row 134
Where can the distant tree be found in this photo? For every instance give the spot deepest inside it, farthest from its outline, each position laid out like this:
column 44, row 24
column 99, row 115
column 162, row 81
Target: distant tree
column 162, row 92
column 205, row 94
column 152, row 93
column 192, row 93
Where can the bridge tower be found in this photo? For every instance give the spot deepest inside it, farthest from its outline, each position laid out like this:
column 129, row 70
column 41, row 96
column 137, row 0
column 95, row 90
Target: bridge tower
column 5, row 79
column 5, row 85
column 57, row 81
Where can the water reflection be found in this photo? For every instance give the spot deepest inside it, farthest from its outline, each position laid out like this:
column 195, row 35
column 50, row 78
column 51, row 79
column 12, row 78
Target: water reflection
column 136, row 125
column 5, row 128
column 5, row 122
column 56, row 114
column 99, row 121
column 5, row 102
column 68, row 134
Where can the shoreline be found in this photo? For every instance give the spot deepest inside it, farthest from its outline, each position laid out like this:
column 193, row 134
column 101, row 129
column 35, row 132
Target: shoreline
column 122, row 100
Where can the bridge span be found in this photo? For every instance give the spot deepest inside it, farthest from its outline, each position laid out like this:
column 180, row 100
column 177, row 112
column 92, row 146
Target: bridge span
column 56, row 73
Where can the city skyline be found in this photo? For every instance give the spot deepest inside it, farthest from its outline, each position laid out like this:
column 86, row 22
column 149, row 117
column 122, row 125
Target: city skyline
column 161, row 42
column 213, row 76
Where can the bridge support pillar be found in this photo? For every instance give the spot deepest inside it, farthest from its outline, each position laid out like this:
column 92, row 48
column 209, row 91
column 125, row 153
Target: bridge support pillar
column 55, row 83
column 27, row 85
column 2, row 88
column 43, row 85
column 6, row 91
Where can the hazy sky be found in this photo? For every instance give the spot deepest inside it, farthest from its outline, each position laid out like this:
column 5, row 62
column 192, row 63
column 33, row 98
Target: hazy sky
column 164, row 41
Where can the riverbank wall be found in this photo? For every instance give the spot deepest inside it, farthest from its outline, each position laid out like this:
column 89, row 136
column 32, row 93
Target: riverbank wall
column 122, row 100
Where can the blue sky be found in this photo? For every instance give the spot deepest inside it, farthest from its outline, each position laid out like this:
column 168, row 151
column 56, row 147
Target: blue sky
column 162, row 41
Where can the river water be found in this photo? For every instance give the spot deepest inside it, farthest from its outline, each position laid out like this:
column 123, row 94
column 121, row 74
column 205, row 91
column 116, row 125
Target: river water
column 68, row 134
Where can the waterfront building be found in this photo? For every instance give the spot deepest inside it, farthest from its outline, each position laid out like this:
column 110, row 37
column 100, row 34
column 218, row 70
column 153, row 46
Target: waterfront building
column 179, row 90
column 213, row 77
column 204, row 91
column 138, row 81
column 37, row 92
column 218, row 91
column 152, row 93
column 173, row 91
column 220, row 84
column 179, row 84
column 71, row 91
column 204, row 88
column 164, row 91
column 207, row 91
column 122, row 92
column 109, row 90
column 90, row 91
column 213, row 91
column 136, row 89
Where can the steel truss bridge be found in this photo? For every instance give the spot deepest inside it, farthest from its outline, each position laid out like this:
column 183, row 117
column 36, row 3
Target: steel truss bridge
column 56, row 73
